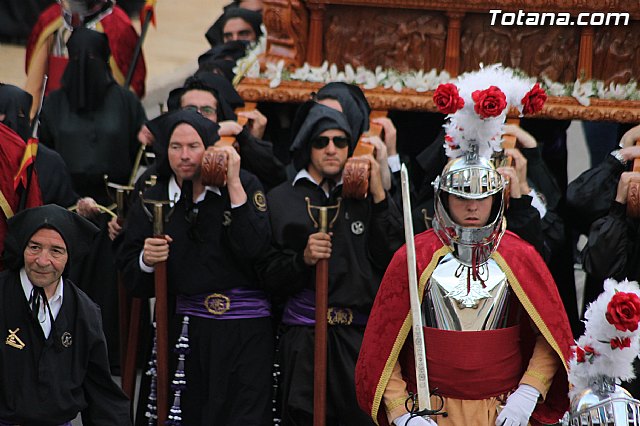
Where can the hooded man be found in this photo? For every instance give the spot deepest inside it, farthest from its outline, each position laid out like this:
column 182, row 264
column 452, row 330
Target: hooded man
column 358, row 248
column 236, row 23
column 212, row 237
column 54, row 361
column 216, row 99
column 47, row 54
column 91, row 121
column 53, row 175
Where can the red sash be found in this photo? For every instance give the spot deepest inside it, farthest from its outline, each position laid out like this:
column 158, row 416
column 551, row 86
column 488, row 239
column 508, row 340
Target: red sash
column 473, row 364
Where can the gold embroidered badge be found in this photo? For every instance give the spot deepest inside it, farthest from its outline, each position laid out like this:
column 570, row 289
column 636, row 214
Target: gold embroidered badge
column 260, row 201
column 14, row 340
column 217, row 303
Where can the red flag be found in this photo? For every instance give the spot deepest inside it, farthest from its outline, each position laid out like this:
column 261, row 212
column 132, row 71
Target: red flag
column 149, row 7
column 12, row 153
column 28, row 158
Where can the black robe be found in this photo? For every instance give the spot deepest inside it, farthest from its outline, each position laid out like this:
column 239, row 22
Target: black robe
column 357, row 263
column 228, row 368
column 47, row 383
column 94, row 143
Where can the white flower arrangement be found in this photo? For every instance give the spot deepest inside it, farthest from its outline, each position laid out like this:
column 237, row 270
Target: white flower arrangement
column 420, row 80
column 611, row 340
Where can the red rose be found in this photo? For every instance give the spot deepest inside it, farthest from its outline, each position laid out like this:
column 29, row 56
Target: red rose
column 617, row 342
column 623, row 311
column 447, row 98
column 579, row 354
column 489, row 102
column 534, row 100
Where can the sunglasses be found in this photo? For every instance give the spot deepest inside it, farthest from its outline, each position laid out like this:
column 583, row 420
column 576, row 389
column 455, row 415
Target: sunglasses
column 320, row 142
column 204, row 110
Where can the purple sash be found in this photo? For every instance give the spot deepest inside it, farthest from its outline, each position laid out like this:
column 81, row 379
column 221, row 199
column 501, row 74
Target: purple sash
column 236, row 303
column 301, row 310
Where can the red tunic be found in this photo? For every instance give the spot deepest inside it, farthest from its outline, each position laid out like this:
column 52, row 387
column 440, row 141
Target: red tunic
column 122, row 42
column 387, row 340
column 11, row 152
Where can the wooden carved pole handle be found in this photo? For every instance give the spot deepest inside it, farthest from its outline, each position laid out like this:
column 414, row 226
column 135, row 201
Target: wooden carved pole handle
column 215, row 161
column 508, row 142
column 355, row 176
column 633, row 193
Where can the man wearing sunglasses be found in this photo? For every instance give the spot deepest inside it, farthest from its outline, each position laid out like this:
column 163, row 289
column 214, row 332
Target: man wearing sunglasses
column 358, row 248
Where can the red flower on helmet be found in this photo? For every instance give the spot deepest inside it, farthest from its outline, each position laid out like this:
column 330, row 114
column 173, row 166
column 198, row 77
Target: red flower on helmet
column 585, row 354
column 447, row 98
column 618, row 343
column 623, row 311
column 489, row 102
column 534, row 100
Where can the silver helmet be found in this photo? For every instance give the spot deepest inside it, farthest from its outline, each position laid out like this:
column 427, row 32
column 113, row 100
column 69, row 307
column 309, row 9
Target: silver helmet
column 604, row 403
column 471, row 177
column 84, row 12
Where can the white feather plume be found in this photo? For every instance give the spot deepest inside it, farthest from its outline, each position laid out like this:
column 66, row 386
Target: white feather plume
column 466, row 127
column 615, row 363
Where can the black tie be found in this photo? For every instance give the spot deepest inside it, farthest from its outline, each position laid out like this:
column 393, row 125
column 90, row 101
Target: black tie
column 37, row 293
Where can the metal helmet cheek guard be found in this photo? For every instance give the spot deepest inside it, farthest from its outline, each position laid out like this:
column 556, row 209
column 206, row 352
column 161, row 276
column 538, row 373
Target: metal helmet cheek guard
column 470, row 177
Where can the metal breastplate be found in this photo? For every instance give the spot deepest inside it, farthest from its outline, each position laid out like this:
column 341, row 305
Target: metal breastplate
column 455, row 301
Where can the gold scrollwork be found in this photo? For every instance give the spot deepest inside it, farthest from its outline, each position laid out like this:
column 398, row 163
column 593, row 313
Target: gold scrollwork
column 217, row 303
column 339, row 316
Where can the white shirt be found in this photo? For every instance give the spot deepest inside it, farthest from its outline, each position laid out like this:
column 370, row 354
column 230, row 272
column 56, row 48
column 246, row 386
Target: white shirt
column 55, row 303
column 304, row 174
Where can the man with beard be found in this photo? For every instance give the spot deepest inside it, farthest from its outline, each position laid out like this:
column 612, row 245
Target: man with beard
column 212, row 236
column 358, row 248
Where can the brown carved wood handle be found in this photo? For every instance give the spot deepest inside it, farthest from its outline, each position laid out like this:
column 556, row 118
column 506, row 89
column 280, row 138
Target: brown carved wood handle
column 215, row 161
column 633, row 193
column 355, row 176
column 508, row 142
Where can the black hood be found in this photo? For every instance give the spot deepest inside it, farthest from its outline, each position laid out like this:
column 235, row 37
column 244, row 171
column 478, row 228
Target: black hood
column 315, row 118
column 76, row 231
column 15, row 104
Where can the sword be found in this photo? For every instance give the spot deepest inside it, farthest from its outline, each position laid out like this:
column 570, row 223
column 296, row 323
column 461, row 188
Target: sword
column 422, row 378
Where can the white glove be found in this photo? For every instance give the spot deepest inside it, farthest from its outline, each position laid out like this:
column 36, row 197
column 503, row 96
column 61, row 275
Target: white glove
column 519, row 407
column 403, row 420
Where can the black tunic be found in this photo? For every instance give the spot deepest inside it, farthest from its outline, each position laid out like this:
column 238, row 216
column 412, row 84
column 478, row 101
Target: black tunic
column 228, row 368
column 356, row 266
column 46, row 383
column 94, row 143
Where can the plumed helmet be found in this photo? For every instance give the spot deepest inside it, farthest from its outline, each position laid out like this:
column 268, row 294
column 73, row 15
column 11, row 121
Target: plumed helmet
column 477, row 106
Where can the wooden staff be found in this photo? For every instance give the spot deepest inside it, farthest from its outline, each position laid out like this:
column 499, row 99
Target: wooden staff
column 162, row 322
column 162, row 316
column 633, row 193
column 322, row 306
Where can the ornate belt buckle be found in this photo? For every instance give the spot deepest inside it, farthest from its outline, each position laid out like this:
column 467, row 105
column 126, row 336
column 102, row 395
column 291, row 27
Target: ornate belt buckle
column 217, row 303
column 339, row 316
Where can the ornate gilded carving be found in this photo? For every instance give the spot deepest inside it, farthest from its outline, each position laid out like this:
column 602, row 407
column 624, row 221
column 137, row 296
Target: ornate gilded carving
column 287, row 24
column 404, row 40
column 570, row 6
column 550, row 51
column 561, row 108
column 633, row 199
column 616, row 53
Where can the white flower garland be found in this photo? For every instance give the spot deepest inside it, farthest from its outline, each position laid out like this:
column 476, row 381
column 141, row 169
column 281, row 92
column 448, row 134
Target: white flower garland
column 420, row 81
